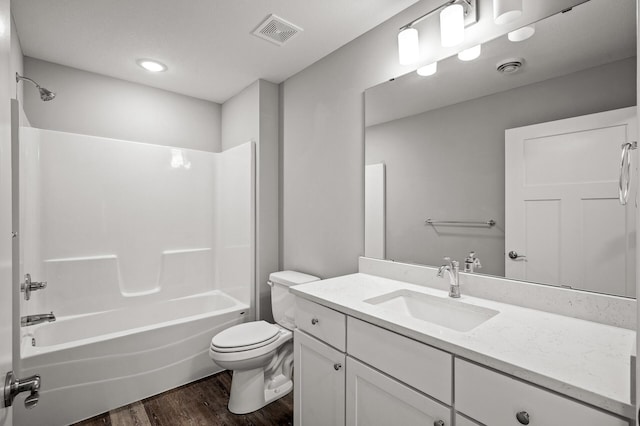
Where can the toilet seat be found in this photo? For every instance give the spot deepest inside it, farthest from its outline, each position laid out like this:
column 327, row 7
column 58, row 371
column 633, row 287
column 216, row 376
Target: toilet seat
column 244, row 337
column 251, row 351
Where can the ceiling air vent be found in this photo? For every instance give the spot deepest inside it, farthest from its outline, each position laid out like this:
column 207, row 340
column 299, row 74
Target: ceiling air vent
column 510, row 66
column 277, row 30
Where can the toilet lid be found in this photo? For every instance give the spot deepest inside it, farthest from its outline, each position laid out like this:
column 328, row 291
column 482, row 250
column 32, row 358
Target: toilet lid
column 248, row 334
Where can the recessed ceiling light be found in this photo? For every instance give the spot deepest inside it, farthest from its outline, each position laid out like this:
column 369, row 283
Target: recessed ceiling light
column 151, row 65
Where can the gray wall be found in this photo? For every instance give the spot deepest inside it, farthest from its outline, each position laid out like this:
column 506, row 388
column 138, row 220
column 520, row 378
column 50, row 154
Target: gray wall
column 445, row 167
column 98, row 105
column 323, row 143
column 253, row 115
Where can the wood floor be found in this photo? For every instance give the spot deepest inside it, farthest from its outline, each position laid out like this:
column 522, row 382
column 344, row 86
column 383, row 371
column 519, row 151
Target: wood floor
column 200, row 403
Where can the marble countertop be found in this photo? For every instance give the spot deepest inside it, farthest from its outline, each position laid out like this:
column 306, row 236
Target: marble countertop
column 585, row 360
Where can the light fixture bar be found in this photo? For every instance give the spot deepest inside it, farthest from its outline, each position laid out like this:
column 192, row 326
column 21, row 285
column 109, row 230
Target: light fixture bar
column 470, row 13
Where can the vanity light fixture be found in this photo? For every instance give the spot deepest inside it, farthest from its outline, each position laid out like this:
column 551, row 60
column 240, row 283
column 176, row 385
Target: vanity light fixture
column 428, row 70
column 151, row 65
column 522, row 33
column 471, row 53
column 454, row 16
column 506, row 11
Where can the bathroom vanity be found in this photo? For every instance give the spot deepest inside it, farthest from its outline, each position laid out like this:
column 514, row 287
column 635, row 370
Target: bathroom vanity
column 371, row 350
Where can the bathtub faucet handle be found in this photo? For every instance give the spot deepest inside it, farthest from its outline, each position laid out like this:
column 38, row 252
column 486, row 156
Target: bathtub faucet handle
column 28, row 286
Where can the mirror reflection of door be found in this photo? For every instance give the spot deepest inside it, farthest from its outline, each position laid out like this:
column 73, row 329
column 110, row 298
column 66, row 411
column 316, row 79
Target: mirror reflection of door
column 563, row 215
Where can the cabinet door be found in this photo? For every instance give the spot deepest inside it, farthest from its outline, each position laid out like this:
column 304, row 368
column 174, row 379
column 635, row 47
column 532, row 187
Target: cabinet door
column 376, row 399
column 319, row 374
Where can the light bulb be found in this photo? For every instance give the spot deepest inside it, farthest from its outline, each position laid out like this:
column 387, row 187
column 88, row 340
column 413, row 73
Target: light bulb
column 505, row 11
column 408, row 46
column 428, row 70
column 470, row 54
column 151, row 65
column 452, row 25
column 522, row 33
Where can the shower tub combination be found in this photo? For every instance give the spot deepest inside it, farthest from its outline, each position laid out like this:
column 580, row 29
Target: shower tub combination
column 148, row 253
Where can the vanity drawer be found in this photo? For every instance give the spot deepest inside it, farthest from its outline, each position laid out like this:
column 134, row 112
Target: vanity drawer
column 324, row 323
column 425, row 368
column 496, row 399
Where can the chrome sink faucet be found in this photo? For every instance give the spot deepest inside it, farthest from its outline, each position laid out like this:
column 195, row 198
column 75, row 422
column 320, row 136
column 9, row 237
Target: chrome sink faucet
column 36, row 319
column 471, row 263
column 452, row 267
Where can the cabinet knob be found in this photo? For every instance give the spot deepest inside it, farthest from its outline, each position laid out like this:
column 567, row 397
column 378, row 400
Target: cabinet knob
column 523, row 417
column 438, row 423
column 337, row 366
column 314, row 321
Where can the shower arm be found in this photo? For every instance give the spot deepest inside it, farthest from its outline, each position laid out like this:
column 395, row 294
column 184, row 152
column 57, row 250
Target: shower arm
column 19, row 77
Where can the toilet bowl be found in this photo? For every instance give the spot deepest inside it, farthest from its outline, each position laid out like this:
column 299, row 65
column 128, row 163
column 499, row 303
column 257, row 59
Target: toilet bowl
column 259, row 353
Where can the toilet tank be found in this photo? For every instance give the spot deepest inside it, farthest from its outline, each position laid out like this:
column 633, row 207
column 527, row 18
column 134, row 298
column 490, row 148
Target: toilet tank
column 282, row 302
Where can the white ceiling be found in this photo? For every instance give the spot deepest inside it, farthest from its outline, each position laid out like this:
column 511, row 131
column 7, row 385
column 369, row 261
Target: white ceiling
column 591, row 34
column 207, row 44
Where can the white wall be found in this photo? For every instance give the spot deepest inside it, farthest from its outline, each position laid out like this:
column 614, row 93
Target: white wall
column 240, row 117
column 323, row 140
column 460, row 163
column 17, row 66
column 97, row 105
column 253, row 114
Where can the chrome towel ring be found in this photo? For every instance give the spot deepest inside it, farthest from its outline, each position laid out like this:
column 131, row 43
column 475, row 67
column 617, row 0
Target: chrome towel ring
column 625, row 171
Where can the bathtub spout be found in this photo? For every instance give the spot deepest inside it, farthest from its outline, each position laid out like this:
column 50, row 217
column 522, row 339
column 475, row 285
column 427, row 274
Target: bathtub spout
column 36, row 319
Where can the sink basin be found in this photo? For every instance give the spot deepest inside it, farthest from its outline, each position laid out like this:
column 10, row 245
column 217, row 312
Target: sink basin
column 449, row 313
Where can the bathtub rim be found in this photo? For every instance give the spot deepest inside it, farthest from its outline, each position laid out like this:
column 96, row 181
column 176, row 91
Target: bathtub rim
column 27, row 351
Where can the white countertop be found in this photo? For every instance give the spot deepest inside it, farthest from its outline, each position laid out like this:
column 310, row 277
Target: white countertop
column 585, row 360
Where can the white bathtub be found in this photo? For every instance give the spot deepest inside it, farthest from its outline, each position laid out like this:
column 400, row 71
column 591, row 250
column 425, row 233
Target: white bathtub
column 93, row 363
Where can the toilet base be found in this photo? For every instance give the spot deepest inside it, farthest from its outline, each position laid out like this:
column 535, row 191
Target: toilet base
column 249, row 392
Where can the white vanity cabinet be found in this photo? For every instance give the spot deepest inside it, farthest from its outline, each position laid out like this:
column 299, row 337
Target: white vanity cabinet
column 319, row 343
column 348, row 371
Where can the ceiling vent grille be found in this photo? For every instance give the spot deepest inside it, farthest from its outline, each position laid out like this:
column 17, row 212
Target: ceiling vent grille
column 276, row 30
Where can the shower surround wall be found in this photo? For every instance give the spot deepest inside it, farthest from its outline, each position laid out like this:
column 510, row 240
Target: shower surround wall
column 134, row 240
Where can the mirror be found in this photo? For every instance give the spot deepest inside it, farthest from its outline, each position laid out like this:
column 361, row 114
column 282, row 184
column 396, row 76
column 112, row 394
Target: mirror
column 537, row 151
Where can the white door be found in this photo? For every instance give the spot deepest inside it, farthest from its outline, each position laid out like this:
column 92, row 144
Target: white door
column 6, row 310
column 318, row 382
column 374, row 399
column 563, row 217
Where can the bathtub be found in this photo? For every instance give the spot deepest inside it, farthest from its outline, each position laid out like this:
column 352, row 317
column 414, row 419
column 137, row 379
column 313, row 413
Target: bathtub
column 96, row 362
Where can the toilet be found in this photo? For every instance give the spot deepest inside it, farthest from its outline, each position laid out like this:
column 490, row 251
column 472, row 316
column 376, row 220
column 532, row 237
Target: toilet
column 260, row 353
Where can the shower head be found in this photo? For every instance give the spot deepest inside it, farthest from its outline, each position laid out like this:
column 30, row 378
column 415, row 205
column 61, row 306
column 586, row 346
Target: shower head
column 45, row 94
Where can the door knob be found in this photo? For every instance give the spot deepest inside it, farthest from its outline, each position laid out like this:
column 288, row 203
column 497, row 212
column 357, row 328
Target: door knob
column 514, row 255
column 13, row 386
column 523, row 417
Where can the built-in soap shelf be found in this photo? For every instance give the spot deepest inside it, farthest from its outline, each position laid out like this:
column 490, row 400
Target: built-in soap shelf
column 83, row 284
